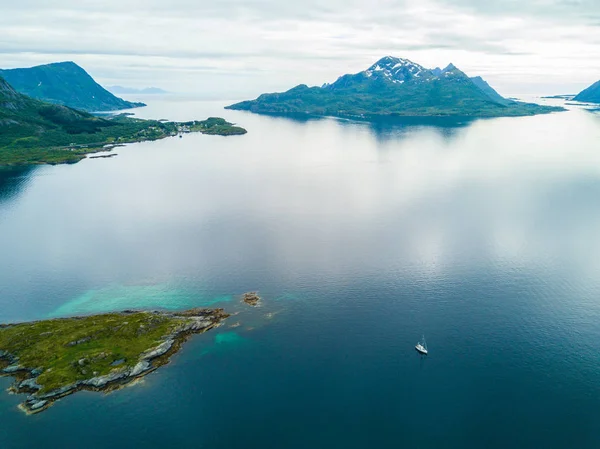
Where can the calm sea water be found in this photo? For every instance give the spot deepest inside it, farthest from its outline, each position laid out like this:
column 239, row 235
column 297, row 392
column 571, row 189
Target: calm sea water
column 483, row 236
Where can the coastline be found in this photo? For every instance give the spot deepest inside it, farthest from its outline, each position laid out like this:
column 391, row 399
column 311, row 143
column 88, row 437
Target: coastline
column 143, row 131
column 185, row 324
column 534, row 110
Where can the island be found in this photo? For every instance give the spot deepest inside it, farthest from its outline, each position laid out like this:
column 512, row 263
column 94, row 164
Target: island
column 213, row 125
column 55, row 358
column 251, row 298
column 589, row 95
column 36, row 132
column 396, row 87
column 560, row 97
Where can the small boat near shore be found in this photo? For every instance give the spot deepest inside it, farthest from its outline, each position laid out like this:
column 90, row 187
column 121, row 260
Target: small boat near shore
column 421, row 346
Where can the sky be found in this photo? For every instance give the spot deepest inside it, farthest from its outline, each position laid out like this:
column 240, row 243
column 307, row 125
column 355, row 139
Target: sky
column 237, row 49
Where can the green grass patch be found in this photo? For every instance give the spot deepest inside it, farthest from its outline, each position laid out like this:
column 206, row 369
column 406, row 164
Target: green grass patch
column 70, row 143
column 70, row 349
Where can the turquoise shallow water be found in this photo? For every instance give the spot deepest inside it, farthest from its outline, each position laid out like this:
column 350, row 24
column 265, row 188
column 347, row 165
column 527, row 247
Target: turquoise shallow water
column 159, row 296
column 361, row 238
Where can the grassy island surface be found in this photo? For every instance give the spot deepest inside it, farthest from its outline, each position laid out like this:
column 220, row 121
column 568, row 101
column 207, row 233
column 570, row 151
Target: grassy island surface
column 54, row 358
column 214, row 126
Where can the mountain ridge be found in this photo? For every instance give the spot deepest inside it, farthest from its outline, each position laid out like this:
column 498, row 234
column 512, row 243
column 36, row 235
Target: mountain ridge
column 590, row 94
column 489, row 90
column 64, row 83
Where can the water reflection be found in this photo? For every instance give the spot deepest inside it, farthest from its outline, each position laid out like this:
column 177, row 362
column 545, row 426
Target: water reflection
column 13, row 181
column 385, row 128
column 293, row 116
column 483, row 236
column 308, row 201
column 304, row 201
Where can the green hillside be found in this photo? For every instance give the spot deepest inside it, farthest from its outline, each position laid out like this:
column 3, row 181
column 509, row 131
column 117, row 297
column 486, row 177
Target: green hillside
column 489, row 91
column 67, row 84
column 34, row 132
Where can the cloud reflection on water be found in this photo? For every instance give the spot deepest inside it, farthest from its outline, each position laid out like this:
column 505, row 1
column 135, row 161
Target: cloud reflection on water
column 321, row 201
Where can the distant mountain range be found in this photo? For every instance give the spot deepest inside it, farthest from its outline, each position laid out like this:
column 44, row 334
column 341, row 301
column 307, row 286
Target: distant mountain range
column 120, row 90
column 396, row 87
column 589, row 95
column 67, row 84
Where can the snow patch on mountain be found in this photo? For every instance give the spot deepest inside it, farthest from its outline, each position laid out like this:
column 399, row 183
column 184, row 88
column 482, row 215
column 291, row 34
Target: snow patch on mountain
column 397, row 70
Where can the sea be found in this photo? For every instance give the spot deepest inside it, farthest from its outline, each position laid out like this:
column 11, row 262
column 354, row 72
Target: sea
column 361, row 237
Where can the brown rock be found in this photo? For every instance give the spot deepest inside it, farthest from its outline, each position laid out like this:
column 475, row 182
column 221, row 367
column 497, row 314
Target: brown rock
column 251, row 298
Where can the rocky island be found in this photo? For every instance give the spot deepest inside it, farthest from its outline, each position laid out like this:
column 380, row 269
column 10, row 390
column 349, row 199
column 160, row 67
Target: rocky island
column 251, row 298
column 396, row 87
column 55, row 358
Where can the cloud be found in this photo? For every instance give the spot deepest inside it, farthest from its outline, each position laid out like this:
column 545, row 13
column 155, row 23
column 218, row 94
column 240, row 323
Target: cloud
column 571, row 11
column 249, row 46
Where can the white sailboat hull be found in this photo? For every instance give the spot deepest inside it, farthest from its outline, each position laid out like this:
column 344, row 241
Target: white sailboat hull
column 420, row 349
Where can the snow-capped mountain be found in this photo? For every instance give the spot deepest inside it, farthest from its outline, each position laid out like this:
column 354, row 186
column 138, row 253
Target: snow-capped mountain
column 396, row 70
column 395, row 87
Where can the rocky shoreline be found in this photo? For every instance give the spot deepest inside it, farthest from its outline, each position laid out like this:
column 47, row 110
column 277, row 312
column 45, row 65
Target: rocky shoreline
column 187, row 323
column 103, row 156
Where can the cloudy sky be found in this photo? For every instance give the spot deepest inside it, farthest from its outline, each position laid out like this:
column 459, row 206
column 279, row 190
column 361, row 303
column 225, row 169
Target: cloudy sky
column 240, row 48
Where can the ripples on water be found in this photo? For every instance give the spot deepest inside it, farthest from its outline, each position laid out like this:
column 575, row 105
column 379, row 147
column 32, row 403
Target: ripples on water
column 361, row 237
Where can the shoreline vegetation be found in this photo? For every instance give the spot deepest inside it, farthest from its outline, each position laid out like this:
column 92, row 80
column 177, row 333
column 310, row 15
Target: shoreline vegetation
column 54, row 147
column 55, row 358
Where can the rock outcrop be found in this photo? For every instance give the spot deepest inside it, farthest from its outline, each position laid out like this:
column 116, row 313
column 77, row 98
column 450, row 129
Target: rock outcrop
column 251, row 298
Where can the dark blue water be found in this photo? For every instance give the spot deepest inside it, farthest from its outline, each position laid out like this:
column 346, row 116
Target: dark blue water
column 483, row 236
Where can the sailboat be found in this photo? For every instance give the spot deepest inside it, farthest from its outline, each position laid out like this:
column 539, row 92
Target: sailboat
column 421, row 346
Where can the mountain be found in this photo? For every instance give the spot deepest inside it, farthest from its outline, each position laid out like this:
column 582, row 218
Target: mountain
column 33, row 131
column 489, row 90
column 27, row 115
column 589, row 95
column 120, row 90
column 65, row 83
column 395, row 87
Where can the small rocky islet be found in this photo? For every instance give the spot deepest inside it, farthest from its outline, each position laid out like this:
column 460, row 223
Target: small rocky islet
column 54, row 358
column 251, row 298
